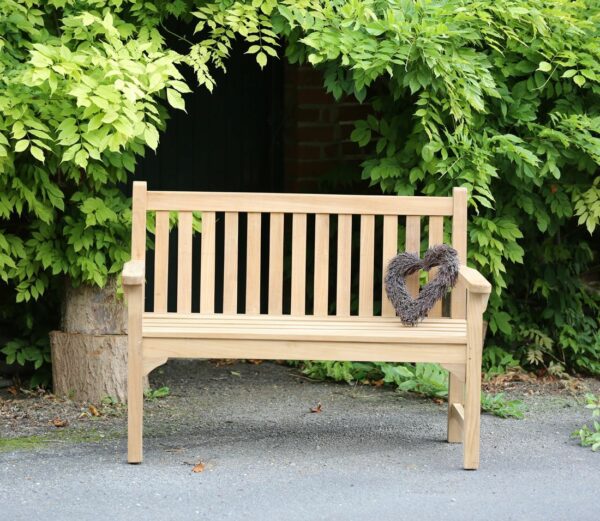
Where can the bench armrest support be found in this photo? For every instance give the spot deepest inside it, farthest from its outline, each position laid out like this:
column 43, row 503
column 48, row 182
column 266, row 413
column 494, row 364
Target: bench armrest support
column 134, row 273
column 474, row 281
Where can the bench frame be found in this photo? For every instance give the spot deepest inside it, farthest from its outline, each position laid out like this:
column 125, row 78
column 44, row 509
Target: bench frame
column 468, row 300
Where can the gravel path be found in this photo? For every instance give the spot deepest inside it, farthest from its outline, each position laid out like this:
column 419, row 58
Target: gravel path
column 370, row 454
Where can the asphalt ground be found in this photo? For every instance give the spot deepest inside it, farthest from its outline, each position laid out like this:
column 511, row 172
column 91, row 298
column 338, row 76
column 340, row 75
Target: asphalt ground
column 368, row 454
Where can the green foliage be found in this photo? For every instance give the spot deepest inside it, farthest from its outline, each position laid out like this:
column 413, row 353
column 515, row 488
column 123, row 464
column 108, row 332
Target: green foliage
column 84, row 91
column 155, row 394
column 498, row 405
column 499, row 96
column 425, row 379
column 590, row 436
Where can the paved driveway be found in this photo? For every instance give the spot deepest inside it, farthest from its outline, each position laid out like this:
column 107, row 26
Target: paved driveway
column 371, row 454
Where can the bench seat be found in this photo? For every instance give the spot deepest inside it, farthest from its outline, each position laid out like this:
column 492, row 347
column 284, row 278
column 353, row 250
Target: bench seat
column 268, row 327
column 381, row 339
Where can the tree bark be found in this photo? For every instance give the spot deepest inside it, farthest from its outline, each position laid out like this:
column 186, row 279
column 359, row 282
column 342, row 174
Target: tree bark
column 89, row 355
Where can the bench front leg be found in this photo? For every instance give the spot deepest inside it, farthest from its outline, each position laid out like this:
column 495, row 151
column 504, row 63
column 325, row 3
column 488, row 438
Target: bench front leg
column 135, row 373
column 476, row 304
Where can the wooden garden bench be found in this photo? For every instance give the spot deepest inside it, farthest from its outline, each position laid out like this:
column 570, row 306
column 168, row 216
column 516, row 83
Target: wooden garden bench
column 331, row 329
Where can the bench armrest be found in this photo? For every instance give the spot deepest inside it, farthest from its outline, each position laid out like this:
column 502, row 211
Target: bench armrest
column 474, row 281
column 134, row 273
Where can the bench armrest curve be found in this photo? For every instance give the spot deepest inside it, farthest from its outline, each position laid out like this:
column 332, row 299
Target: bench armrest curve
column 474, row 281
column 134, row 273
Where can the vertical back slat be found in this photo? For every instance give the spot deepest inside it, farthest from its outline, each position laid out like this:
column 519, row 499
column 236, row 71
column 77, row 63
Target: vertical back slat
column 365, row 280
column 276, row 264
column 207, row 264
column 321, row 289
column 230, row 271
column 298, row 303
column 344, row 251
column 436, row 236
column 161, row 262
column 253, row 264
column 184, row 263
column 459, row 243
column 390, row 249
column 413, row 245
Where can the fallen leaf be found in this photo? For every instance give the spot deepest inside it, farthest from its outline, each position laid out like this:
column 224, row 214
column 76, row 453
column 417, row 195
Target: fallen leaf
column 235, row 373
column 13, row 390
column 198, row 467
column 255, row 362
column 439, row 401
column 317, row 408
column 94, row 411
column 224, row 361
column 58, row 422
column 377, row 383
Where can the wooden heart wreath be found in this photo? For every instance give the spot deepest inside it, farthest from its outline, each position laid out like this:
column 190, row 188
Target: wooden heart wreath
column 410, row 310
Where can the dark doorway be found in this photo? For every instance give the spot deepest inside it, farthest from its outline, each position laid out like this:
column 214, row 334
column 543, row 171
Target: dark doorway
column 230, row 139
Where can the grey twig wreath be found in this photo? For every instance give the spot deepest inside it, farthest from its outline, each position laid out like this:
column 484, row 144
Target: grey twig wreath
column 409, row 310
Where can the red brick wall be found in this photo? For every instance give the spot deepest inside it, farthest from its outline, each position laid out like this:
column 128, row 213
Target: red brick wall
column 317, row 131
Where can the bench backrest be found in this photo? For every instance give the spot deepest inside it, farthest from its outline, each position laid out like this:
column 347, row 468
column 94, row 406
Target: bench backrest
column 328, row 210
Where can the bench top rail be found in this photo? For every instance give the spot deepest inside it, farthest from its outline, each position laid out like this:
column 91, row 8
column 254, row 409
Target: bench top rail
column 299, row 203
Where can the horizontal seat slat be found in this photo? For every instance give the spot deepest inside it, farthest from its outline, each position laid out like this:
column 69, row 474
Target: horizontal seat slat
column 299, row 203
column 331, row 319
column 315, row 330
column 158, row 348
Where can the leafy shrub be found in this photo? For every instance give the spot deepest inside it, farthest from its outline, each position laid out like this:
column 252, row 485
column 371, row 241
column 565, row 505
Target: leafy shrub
column 499, row 96
column 590, row 437
column 425, row 379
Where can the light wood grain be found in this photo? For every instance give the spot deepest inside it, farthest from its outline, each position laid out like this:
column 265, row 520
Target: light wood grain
column 436, row 236
column 475, row 308
column 321, row 286
column 184, row 262
column 207, row 263
column 138, row 221
column 459, row 243
column 161, row 262
column 266, row 327
column 301, row 350
column 135, row 390
column 134, row 273
column 253, row 254
column 366, row 267
column 230, row 271
column 344, row 257
column 413, row 245
column 135, row 309
column 300, row 203
column 474, row 281
column 298, row 304
column 276, row 264
column 390, row 249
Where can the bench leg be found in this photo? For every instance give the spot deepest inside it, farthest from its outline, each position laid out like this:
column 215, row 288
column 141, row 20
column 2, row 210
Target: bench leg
column 475, row 307
column 456, row 394
column 135, row 378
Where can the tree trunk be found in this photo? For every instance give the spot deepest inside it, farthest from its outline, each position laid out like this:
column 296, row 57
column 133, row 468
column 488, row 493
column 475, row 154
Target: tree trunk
column 89, row 355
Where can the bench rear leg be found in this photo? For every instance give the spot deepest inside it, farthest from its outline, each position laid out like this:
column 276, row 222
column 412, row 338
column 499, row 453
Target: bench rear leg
column 456, row 394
